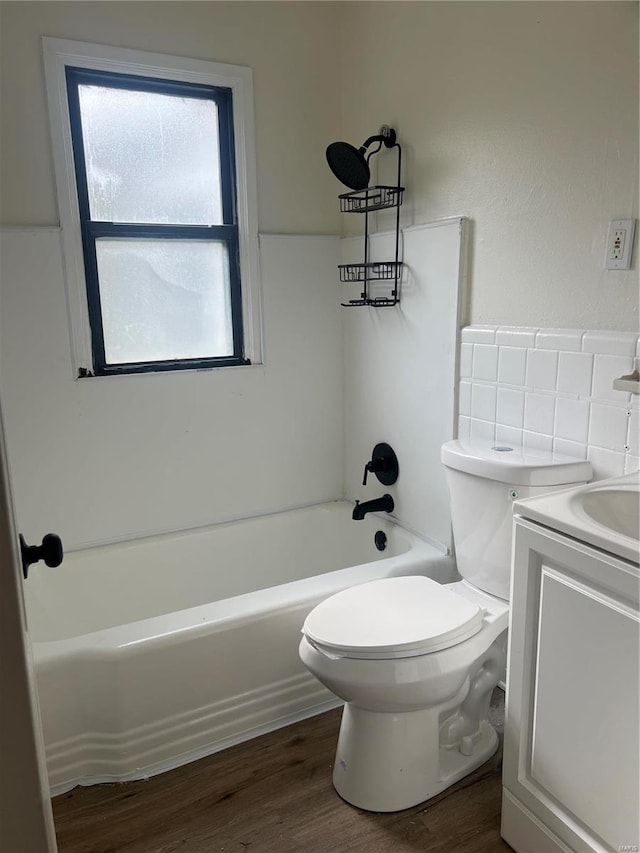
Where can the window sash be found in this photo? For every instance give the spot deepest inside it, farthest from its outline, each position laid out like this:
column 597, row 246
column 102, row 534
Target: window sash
column 228, row 234
column 91, row 230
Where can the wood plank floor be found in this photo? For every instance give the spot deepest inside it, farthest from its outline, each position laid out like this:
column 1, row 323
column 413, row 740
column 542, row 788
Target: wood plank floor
column 274, row 795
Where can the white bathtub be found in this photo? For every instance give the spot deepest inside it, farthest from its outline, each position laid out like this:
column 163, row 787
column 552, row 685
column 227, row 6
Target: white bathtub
column 152, row 653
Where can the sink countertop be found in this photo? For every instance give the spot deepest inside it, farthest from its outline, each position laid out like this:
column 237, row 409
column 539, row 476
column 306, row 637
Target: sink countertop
column 565, row 511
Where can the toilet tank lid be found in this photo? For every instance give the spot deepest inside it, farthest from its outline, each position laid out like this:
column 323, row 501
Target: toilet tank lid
column 511, row 464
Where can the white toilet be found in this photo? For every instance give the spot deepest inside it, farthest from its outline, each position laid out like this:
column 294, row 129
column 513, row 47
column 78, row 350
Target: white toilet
column 415, row 661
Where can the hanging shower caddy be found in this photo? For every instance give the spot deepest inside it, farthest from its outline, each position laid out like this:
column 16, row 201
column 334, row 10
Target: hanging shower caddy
column 351, row 167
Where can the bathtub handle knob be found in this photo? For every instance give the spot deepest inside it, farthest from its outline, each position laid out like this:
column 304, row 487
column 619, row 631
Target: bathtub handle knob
column 50, row 551
column 383, row 463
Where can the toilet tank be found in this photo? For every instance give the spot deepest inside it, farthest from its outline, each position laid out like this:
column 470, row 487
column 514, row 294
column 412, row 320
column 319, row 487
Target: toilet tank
column 484, row 479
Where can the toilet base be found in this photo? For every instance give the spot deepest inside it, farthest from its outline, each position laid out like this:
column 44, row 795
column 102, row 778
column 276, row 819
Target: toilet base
column 386, row 762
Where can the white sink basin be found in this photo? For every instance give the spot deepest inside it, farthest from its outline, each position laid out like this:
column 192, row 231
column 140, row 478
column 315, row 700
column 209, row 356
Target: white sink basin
column 605, row 513
column 615, row 508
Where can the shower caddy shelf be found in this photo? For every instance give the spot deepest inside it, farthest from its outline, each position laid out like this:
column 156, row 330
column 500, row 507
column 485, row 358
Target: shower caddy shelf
column 367, row 201
column 371, row 198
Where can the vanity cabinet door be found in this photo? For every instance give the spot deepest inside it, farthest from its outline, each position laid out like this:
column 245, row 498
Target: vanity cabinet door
column 572, row 744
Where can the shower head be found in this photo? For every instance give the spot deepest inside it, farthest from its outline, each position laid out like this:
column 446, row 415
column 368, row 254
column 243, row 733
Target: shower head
column 349, row 164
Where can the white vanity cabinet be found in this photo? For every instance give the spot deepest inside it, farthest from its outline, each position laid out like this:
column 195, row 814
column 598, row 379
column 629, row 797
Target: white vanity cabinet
column 572, row 746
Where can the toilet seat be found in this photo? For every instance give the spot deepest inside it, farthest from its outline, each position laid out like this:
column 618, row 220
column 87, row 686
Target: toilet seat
column 392, row 618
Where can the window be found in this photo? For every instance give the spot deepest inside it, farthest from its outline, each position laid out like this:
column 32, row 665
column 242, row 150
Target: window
column 160, row 220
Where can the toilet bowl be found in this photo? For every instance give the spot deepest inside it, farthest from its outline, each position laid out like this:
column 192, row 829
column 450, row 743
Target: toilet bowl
column 408, row 701
column 415, row 661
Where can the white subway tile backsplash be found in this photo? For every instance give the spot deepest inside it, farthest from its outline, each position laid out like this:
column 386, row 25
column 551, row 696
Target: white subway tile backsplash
column 479, row 334
column 516, row 336
column 610, row 343
column 535, row 441
column 464, row 427
column 483, row 402
column 606, row 368
column 485, row 362
column 575, row 370
column 606, row 463
column 538, row 413
column 572, row 419
column 510, row 407
column 509, row 436
column 464, row 405
column 482, row 430
column 608, row 427
column 512, row 363
column 466, row 359
column 542, row 368
column 570, row 448
column 559, row 339
column 551, row 389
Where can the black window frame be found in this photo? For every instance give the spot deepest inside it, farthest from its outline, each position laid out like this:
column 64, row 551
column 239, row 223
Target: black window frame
column 92, row 230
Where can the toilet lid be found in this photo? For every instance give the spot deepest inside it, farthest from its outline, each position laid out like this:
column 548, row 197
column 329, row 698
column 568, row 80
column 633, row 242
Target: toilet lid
column 393, row 617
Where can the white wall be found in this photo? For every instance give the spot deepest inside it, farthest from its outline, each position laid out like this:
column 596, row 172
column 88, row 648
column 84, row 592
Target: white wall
column 291, row 47
column 523, row 117
column 105, row 458
column 400, row 374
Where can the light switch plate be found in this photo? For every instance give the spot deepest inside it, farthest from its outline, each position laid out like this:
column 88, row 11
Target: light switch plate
column 620, row 244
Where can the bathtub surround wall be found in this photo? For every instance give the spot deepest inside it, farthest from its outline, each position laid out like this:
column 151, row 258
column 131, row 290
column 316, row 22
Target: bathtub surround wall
column 98, row 460
column 106, row 459
column 399, row 373
column 552, row 389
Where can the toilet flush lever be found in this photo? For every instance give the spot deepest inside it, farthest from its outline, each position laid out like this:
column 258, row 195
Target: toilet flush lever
column 383, row 463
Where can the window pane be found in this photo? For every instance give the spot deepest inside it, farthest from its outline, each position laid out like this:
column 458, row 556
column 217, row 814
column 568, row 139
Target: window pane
column 150, row 157
column 164, row 299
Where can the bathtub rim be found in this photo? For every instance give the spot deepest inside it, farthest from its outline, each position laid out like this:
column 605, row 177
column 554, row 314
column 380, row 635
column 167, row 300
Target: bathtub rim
column 336, row 504
column 189, row 623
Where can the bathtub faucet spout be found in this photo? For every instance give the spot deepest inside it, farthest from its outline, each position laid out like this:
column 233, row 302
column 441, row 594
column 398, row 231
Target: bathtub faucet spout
column 383, row 504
